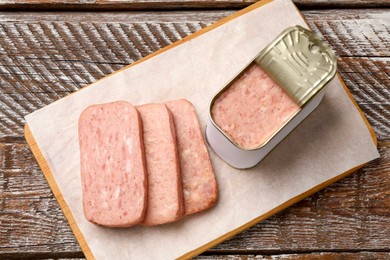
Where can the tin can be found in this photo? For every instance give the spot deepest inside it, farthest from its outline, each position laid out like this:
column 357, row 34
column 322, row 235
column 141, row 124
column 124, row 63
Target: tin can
column 261, row 105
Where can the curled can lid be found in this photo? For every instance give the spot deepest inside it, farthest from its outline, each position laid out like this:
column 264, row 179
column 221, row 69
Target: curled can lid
column 300, row 62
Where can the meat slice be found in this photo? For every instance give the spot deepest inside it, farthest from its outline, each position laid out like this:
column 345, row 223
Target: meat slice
column 113, row 170
column 199, row 182
column 253, row 108
column 165, row 194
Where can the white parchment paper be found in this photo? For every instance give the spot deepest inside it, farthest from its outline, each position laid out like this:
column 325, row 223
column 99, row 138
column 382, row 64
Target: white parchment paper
column 332, row 140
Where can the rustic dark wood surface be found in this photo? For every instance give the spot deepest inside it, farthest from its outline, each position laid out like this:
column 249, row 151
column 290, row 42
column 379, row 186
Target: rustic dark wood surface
column 47, row 55
column 172, row 4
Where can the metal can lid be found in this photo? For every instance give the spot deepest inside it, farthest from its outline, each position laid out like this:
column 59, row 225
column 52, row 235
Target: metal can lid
column 300, row 62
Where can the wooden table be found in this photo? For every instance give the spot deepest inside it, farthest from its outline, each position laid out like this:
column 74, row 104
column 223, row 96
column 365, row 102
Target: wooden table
column 50, row 49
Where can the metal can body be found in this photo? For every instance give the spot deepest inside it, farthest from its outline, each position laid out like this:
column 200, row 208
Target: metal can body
column 243, row 159
column 297, row 66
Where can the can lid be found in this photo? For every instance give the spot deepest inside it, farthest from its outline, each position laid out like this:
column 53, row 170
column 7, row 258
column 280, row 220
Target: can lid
column 300, row 62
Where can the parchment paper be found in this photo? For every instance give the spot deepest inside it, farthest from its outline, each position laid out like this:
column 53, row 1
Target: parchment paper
column 332, row 140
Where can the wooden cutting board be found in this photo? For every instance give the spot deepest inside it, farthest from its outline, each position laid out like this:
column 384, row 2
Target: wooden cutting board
column 67, row 212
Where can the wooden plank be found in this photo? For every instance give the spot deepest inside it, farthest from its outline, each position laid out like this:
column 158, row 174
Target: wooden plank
column 352, row 213
column 30, row 218
column 68, row 214
column 45, row 56
column 351, row 33
column 39, row 82
column 304, row 256
column 170, row 4
column 368, row 79
column 42, row 61
column 300, row 256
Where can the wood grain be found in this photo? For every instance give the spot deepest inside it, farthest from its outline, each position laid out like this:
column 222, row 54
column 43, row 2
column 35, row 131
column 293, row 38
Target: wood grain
column 170, row 4
column 46, row 56
column 304, row 256
column 31, row 220
column 308, row 256
column 351, row 212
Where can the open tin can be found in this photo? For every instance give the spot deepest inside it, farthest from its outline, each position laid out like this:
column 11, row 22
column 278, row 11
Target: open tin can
column 261, row 105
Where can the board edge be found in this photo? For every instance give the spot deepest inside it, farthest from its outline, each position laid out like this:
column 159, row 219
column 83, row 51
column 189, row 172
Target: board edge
column 57, row 192
column 68, row 214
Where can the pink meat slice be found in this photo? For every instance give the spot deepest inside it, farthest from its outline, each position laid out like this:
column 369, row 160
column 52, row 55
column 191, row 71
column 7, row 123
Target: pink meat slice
column 199, row 183
column 165, row 194
column 253, row 108
column 113, row 170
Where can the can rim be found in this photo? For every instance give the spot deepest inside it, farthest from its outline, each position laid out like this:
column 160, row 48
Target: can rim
column 317, row 91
